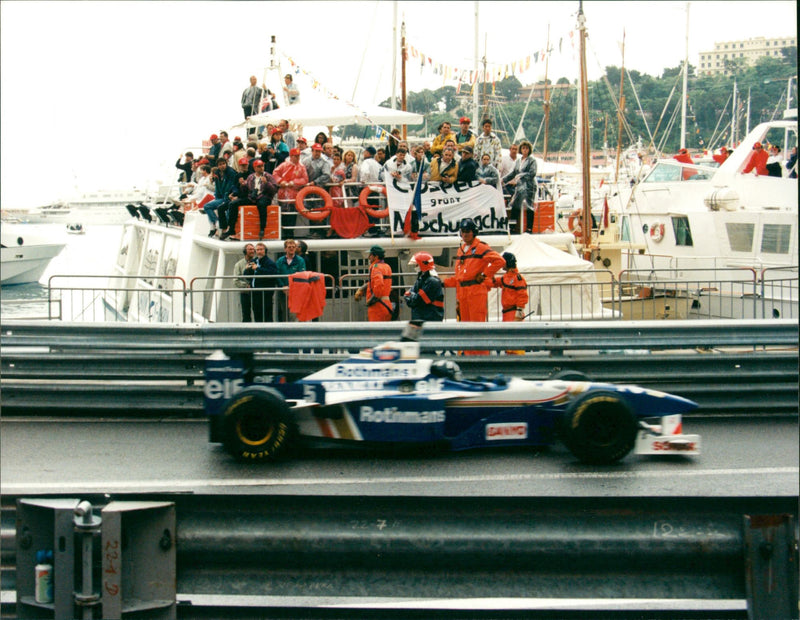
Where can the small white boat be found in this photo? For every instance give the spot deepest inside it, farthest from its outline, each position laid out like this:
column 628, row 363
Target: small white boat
column 24, row 258
column 76, row 228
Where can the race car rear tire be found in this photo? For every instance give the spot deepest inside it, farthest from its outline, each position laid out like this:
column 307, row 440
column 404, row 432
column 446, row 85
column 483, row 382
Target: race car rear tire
column 258, row 425
column 599, row 428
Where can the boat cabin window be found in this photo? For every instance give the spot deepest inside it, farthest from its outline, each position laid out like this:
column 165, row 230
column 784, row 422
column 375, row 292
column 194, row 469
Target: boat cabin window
column 683, row 233
column 775, row 238
column 625, row 229
column 663, row 172
column 740, row 236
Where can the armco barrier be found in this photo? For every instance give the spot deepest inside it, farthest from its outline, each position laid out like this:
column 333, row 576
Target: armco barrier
column 155, row 369
column 545, row 557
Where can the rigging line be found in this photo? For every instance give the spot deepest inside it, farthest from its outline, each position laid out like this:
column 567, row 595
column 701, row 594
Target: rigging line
column 712, row 142
column 664, row 110
column 366, row 47
column 669, row 127
column 641, row 111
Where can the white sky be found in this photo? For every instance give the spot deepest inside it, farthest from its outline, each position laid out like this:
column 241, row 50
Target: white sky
column 109, row 93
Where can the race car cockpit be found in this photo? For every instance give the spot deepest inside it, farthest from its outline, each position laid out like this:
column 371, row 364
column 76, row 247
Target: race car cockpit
column 447, row 369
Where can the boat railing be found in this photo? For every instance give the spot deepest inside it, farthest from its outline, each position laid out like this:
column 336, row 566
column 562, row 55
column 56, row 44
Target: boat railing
column 703, row 293
column 220, row 300
column 553, row 295
column 780, row 292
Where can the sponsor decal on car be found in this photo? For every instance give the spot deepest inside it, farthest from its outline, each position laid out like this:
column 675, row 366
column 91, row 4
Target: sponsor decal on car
column 386, row 355
column 351, row 370
column 393, row 415
column 506, row 430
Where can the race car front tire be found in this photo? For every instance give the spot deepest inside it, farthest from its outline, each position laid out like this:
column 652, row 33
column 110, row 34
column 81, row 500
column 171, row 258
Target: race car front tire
column 258, row 425
column 599, row 428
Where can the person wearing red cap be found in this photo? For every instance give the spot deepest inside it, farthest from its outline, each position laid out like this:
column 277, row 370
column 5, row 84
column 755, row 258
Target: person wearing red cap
column 758, row 161
column 721, row 156
column 216, row 147
column 261, row 188
column 683, row 157
column 291, row 175
column 426, row 296
column 465, row 137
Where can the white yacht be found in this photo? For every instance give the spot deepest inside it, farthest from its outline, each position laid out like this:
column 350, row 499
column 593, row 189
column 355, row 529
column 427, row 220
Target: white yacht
column 24, row 256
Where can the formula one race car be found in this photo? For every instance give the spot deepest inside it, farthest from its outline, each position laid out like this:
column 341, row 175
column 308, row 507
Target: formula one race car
column 389, row 395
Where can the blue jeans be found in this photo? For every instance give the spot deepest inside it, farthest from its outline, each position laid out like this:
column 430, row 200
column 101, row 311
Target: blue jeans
column 211, row 211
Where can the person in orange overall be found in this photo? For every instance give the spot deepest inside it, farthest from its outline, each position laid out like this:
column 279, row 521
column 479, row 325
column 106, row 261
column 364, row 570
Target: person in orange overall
column 684, row 157
column 758, row 161
column 721, row 156
column 515, row 290
column 475, row 262
column 291, row 176
column 378, row 288
column 515, row 293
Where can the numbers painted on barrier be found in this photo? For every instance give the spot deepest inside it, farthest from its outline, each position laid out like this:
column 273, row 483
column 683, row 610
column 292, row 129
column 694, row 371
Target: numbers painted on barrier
column 667, row 529
column 373, row 524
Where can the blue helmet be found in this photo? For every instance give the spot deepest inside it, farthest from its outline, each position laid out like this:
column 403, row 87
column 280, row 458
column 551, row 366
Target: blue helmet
column 468, row 225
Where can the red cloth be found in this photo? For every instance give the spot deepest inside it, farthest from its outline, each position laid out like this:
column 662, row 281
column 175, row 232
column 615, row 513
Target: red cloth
column 349, row 223
column 307, row 295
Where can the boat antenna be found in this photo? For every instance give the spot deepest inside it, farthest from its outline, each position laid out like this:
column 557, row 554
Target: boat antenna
column 584, row 137
column 620, row 108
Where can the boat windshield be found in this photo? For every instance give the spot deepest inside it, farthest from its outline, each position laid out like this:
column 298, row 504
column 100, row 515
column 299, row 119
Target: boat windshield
column 666, row 172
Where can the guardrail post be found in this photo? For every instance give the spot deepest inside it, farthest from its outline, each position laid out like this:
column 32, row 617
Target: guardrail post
column 86, row 526
column 771, row 569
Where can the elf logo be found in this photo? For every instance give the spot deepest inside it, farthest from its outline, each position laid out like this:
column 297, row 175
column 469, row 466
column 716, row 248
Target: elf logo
column 506, row 430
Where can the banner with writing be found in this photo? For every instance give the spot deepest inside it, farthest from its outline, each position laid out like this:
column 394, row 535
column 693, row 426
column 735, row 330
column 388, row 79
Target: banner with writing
column 443, row 208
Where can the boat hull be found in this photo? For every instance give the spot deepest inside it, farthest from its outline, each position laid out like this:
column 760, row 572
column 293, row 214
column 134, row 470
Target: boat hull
column 26, row 263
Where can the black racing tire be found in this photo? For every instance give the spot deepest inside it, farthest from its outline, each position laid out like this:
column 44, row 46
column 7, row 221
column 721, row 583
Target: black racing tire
column 258, row 425
column 599, row 428
column 569, row 375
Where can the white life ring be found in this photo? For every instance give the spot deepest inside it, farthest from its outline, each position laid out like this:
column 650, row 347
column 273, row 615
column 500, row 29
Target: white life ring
column 657, row 232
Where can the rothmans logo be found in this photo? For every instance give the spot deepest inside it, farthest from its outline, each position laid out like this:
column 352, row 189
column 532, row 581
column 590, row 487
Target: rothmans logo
column 392, row 415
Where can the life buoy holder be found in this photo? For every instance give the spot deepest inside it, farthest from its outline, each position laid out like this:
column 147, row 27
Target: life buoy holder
column 316, row 215
column 575, row 223
column 657, row 232
column 370, row 209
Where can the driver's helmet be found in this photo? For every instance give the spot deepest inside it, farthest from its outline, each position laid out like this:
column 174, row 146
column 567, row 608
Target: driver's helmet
column 447, row 369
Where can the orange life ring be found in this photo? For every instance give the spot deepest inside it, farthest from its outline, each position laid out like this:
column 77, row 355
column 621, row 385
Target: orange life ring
column 316, row 215
column 370, row 209
column 575, row 223
column 657, row 232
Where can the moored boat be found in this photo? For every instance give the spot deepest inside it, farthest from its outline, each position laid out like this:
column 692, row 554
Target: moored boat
column 24, row 257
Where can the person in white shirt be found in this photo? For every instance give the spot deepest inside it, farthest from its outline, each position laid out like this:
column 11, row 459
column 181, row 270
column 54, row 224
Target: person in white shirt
column 370, row 170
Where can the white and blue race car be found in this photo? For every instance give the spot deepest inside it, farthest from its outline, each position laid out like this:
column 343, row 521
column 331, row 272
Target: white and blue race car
column 389, row 395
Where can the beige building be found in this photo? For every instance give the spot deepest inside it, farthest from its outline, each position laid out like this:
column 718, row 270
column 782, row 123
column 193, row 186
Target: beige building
column 714, row 62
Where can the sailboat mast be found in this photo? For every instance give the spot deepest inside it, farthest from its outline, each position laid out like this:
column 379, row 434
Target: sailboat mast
column 403, row 57
column 685, row 83
column 621, row 108
column 733, row 115
column 394, row 57
column 585, row 129
column 475, row 93
column 546, row 96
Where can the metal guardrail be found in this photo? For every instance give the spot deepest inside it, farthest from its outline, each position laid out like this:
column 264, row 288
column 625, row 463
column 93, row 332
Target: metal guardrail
column 668, row 557
column 638, row 294
column 137, row 369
